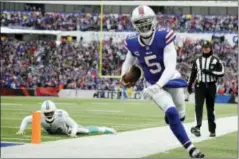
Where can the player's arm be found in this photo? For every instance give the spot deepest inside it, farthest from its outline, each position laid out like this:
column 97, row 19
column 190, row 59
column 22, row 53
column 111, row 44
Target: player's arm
column 24, row 124
column 129, row 61
column 73, row 125
column 170, row 59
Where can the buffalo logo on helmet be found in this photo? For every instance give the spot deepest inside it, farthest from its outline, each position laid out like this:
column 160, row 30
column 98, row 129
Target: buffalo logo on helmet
column 141, row 10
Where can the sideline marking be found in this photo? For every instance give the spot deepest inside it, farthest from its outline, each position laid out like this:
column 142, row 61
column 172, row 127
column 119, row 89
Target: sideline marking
column 138, row 143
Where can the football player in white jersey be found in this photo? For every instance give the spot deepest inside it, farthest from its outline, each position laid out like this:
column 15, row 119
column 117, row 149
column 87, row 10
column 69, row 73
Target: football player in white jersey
column 58, row 121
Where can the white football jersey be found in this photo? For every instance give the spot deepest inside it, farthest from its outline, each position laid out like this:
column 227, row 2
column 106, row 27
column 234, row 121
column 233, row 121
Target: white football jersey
column 59, row 125
column 62, row 123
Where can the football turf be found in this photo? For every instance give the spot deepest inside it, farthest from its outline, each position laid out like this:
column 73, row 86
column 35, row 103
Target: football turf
column 220, row 147
column 118, row 114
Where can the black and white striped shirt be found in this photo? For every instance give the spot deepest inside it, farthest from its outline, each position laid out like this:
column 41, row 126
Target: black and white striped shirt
column 206, row 69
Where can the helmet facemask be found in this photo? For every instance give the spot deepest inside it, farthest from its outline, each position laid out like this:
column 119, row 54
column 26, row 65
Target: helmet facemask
column 49, row 116
column 48, row 109
column 145, row 26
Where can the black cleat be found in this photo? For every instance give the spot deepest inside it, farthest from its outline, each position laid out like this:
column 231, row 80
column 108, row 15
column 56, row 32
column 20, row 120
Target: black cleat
column 196, row 153
column 196, row 131
column 212, row 135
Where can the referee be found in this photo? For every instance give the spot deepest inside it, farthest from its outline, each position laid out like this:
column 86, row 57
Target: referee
column 206, row 70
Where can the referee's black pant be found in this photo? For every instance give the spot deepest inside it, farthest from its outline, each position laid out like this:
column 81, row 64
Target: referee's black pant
column 205, row 91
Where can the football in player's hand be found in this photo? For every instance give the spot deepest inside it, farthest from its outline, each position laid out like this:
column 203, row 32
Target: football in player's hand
column 130, row 78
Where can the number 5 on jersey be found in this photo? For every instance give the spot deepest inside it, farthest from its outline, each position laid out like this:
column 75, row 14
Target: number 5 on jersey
column 157, row 65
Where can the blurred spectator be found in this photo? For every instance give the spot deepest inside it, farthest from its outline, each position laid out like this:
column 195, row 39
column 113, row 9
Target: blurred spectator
column 75, row 64
column 35, row 18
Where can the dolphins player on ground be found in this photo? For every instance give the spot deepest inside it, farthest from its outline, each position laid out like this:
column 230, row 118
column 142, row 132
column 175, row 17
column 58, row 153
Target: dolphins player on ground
column 155, row 52
column 57, row 121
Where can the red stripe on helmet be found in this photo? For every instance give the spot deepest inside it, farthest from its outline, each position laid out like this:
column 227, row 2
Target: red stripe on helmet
column 141, row 10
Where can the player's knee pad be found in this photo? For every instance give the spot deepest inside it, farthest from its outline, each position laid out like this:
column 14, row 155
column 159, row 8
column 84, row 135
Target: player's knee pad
column 172, row 116
column 178, row 99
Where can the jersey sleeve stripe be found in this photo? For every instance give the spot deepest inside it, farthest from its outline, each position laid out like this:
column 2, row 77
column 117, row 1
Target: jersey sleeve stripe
column 125, row 45
column 169, row 34
column 169, row 40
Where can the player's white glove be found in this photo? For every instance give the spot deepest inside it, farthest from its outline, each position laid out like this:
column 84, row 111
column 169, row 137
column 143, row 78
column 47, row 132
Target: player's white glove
column 151, row 90
column 72, row 135
column 20, row 132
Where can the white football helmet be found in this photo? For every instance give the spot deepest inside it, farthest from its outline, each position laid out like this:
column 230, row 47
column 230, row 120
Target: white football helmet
column 48, row 109
column 144, row 20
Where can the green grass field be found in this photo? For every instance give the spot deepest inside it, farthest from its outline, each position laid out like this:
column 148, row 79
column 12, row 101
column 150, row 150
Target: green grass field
column 224, row 146
column 120, row 115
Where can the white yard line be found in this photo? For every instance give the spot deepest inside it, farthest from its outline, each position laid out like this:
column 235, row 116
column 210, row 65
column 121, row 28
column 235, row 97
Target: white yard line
column 11, row 127
column 28, row 137
column 3, row 118
column 63, row 103
column 78, row 115
column 79, row 112
column 16, row 110
column 78, row 109
column 119, row 127
column 12, row 104
column 113, row 125
column 103, row 110
column 110, row 103
column 10, row 138
column 100, row 103
column 138, row 143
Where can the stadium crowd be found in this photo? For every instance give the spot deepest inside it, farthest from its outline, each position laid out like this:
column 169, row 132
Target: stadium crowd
column 189, row 50
column 75, row 64
column 34, row 19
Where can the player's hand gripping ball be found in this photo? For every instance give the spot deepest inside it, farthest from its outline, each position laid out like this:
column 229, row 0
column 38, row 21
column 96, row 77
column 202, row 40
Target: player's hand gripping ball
column 130, row 78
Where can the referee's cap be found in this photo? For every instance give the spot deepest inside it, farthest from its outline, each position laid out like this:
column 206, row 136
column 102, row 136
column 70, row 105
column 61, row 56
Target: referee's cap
column 206, row 44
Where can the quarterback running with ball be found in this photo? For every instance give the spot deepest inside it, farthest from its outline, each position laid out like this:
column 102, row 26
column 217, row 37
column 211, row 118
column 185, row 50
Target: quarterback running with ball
column 154, row 51
column 58, row 121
